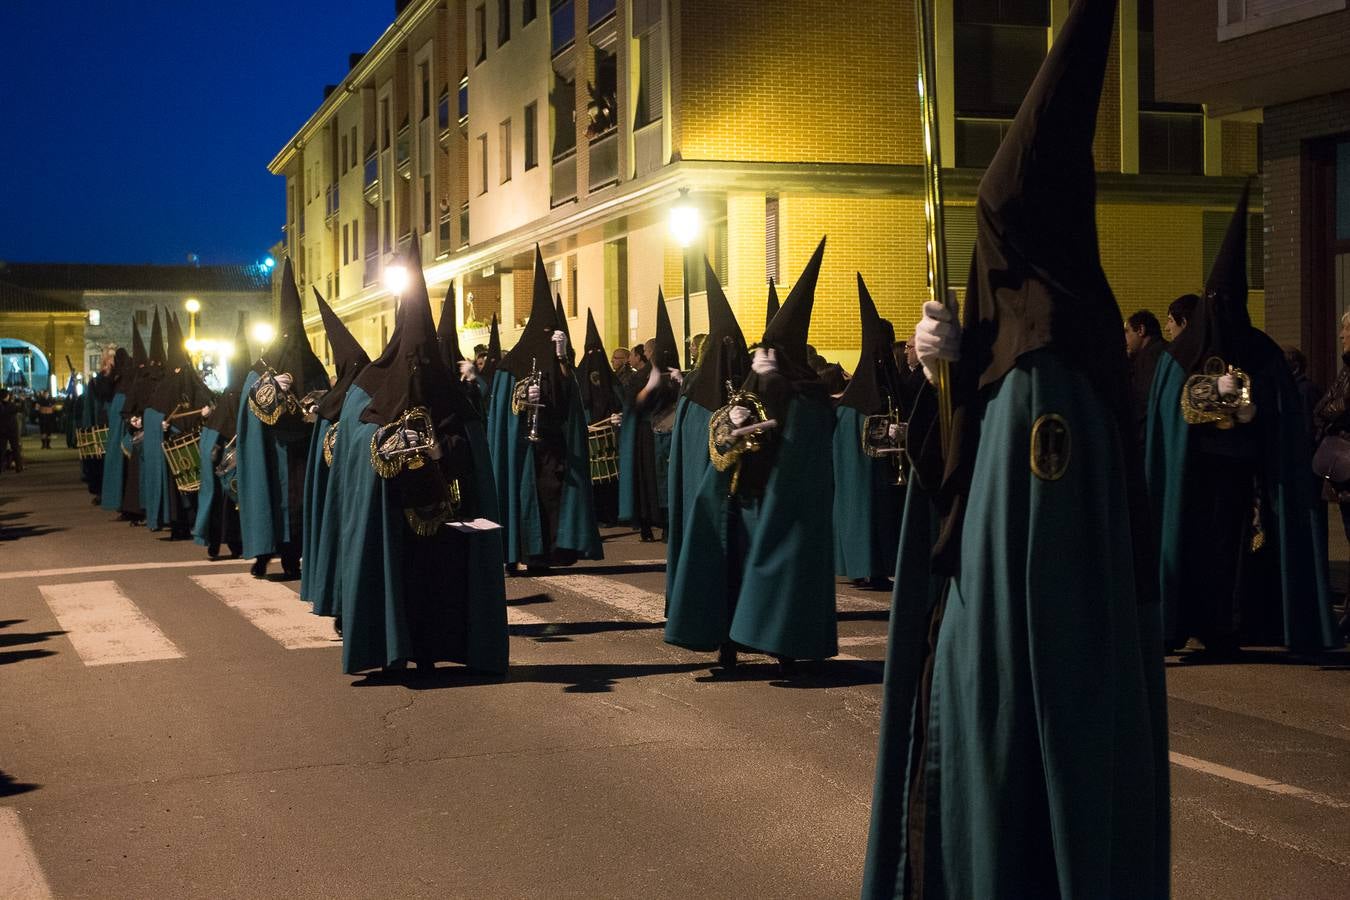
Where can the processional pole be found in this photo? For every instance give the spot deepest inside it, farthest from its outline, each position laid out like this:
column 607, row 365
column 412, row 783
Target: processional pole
column 932, row 204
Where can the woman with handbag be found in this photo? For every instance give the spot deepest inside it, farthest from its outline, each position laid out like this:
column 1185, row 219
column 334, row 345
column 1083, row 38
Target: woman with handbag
column 1332, row 459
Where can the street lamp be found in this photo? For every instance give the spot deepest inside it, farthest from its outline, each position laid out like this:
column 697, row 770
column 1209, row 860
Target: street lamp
column 685, row 224
column 396, row 280
column 263, row 333
column 193, row 306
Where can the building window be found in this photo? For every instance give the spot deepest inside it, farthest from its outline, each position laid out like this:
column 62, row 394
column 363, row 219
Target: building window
column 649, row 79
column 354, row 145
column 563, row 26
column 531, row 136
column 564, row 100
column 503, row 21
column 482, row 163
column 426, row 203
column 771, row 237
column 529, row 9
column 480, row 22
column 1171, row 135
column 1239, row 17
column 388, row 227
column 999, row 47
column 345, row 244
column 142, row 317
column 95, row 318
column 504, row 152
column 344, row 153
column 384, row 124
column 425, row 70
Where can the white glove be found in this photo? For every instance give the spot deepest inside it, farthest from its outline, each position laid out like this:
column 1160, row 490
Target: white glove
column 740, row 415
column 284, row 381
column 559, row 344
column 765, row 361
column 676, row 376
column 205, row 411
column 936, row 337
column 532, row 393
column 164, row 426
column 135, row 421
column 467, row 371
column 1228, row 386
column 893, row 432
column 616, row 420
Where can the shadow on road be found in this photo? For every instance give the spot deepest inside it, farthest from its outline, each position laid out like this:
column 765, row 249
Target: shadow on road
column 547, row 630
column 32, row 637
column 806, row 675
column 1331, row 660
column 615, row 569
column 9, row 787
column 864, row 615
column 13, row 656
column 5, row 623
column 12, row 533
column 581, row 678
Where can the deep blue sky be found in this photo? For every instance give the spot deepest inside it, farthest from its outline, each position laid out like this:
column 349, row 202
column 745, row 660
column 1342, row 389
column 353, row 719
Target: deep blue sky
column 137, row 131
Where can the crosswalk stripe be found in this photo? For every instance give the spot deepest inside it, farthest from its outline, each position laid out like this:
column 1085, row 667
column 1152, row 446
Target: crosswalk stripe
column 645, row 606
column 516, row 615
column 104, row 626
column 122, row 567
column 274, row 608
column 21, row 877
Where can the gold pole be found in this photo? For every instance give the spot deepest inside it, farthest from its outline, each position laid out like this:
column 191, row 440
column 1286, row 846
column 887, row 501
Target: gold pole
column 932, row 205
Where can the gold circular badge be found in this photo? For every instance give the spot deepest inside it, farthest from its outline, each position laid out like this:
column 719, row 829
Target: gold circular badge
column 1051, row 444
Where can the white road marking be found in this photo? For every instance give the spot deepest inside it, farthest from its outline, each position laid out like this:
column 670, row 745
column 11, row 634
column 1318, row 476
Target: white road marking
column 863, row 640
column 273, row 608
column 518, row 615
column 644, row 606
column 855, row 603
column 21, row 877
column 121, row 567
column 1259, row 782
column 104, row 626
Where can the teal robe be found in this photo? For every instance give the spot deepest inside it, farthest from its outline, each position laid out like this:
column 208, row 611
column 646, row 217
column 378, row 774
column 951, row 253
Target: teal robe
column 629, row 502
column 382, row 567
column 517, row 496
column 866, row 504
column 265, row 465
column 1290, row 517
column 210, row 489
column 778, row 546
column 319, row 558
column 1039, row 719
column 689, row 463
column 114, row 463
column 155, row 494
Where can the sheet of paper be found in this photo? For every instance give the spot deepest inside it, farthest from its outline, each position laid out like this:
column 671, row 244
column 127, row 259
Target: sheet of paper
column 472, row 525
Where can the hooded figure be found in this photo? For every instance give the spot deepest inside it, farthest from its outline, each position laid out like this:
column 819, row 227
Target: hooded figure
column 173, row 410
column 543, row 485
column 1236, row 513
column 724, row 361
column 1023, row 739
column 561, row 315
column 645, row 435
column 141, row 390
column 867, row 494
column 90, row 412
column 773, row 304
column 273, row 439
column 409, row 459
column 217, row 519
column 754, row 569
column 117, row 454
column 468, row 379
column 321, row 545
column 602, row 398
column 494, row 354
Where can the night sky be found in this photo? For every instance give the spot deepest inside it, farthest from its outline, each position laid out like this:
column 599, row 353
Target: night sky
column 137, row 131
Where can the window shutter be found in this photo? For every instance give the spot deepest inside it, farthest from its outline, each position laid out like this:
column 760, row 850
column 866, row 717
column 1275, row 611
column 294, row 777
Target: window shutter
column 771, row 238
column 958, row 224
column 646, row 14
column 654, row 67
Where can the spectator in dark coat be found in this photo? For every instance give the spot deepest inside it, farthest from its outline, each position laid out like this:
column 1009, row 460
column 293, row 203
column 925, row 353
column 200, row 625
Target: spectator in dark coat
column 1144, row 344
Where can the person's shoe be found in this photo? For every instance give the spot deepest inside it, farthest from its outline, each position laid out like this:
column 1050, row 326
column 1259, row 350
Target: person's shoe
column 337, row 625
column 213, row 552
column 646, row 535
column 786, row 664
column 726, row 656
column 97, row 500
column 880, row 583
column 236, row 550
column 290, row 572
column 259, row 568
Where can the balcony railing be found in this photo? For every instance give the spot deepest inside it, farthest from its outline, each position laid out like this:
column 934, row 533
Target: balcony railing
column 647, row 148
column 371, row 181
column 600, row 10
column 565, row 178
column 564, row 26
column 604, row 160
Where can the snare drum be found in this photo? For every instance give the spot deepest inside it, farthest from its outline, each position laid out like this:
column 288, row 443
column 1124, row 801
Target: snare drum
column 604, row 447
column 92, row 443
column 184, row 456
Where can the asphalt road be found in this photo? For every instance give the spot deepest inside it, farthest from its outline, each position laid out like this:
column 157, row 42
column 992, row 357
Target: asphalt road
column 216, row 749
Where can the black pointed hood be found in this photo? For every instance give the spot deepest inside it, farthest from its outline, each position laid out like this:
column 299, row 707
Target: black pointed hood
column 788, row 332
column 410, row 372
column 596, row 376
column 725, row 357
column 493, row 360
column 874, row 386
column 666, row 355
column 224, row 417
column 138, row 355
column 561, row 315
column 1036, row 278
column 180, row 385
column 1221, row 325
column 447, row 333
column 175, row 353
column 773, row 304
column 349, row 358
column 156, row 341
column 290, row 351
column 121, row 368
column 535, row 345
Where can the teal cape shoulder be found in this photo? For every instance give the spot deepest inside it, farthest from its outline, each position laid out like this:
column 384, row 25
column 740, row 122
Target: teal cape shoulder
column 759, row 573
column 155, row 476
column 210, row 488
column 1043, row 662
column 1295, row 529
column 318, row 558
column 866, row 504
column 517, row 493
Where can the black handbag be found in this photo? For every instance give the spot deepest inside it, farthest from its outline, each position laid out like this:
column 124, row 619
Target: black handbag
column 1332, row 459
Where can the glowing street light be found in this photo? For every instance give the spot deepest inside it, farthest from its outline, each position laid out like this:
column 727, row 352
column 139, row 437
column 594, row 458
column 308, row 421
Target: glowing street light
column 396, row 279
column 263, row 333
column 685, row 224
column 269, row 263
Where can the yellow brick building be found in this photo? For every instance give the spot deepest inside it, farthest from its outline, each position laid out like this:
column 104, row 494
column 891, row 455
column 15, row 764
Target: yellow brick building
column 487, row 126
